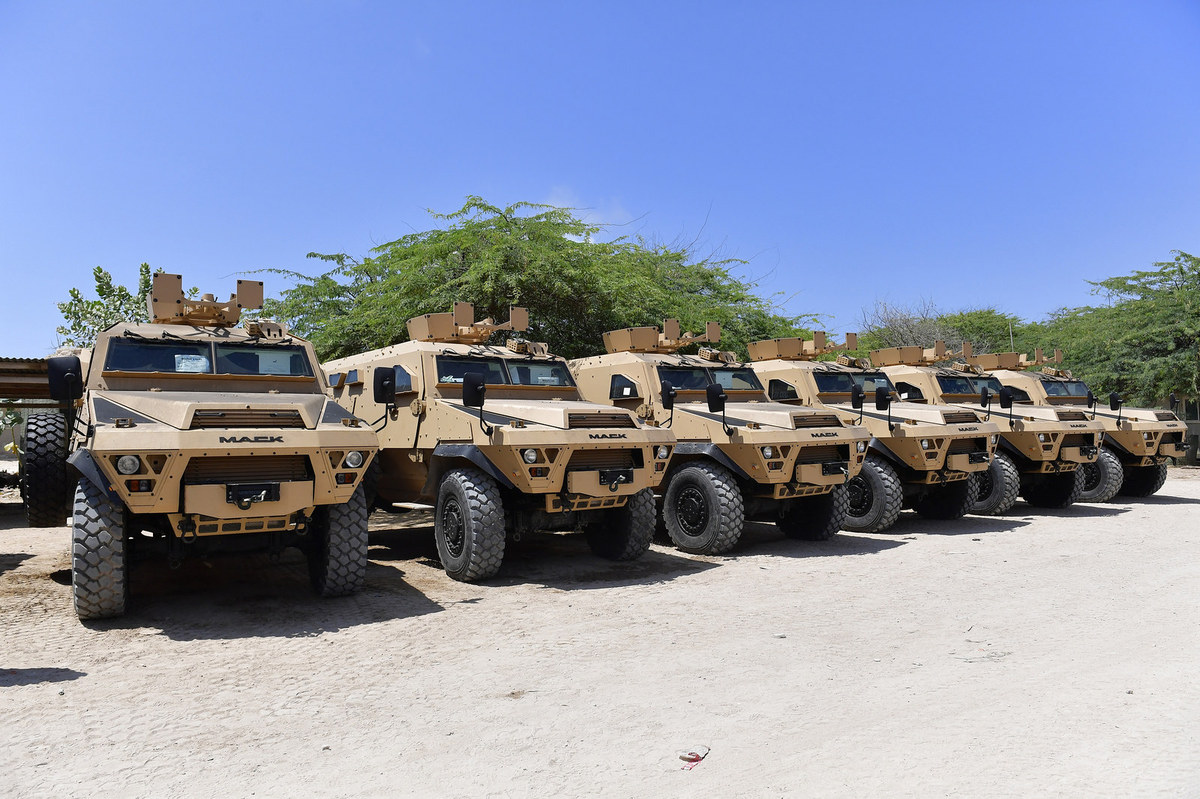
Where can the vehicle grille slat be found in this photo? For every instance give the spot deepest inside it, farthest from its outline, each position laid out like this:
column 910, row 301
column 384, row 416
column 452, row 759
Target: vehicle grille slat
column 245, row 417
column 961, row 445
column 248, row 469
column 823, row 453
column 1071, row 416
column 815, row 420
column 590, row 459
column 1079, row 440
column 576, row 420
column 1166, row 416
column 960, row 417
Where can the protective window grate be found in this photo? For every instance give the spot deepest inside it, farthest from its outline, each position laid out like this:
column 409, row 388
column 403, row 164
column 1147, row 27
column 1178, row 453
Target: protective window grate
column 245, row 417
column 815, row 420
column 577, row 420
column 248, row 469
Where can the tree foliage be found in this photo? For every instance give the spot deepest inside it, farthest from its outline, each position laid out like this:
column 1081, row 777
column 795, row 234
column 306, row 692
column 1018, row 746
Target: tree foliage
column 986, row 329
column 542, row 257
column 86, row 318
column 1143, row 343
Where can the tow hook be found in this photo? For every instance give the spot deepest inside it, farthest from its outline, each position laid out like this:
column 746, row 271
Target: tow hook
column 620, row 479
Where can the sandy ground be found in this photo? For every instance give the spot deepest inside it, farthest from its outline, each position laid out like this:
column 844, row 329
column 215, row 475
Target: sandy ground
column 1039, row 654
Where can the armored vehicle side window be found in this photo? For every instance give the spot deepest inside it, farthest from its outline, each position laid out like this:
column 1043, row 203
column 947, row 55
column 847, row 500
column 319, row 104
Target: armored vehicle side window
column 539, row 373
column 403, row 380
column 993, row 386
column 684, row 378
column 873, row 380
column 621, row 387
column 452, row 370
column 843, row 382
column 241, row 359
column 781, row 391
column 133, row 355
column 1065, row 388
column 909, row 392
column 737, row 379
column 956, row 385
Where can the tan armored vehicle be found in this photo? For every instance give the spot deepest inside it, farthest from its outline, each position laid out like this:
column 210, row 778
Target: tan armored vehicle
column 762, row 460
column 920, row 456
column 1137, row 441
column 535, row 456
column 191, row 435
column 1040, row 448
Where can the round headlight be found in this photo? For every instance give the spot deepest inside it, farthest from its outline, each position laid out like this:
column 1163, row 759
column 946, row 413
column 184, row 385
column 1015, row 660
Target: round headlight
column 862, row 446
column 662, row 452
column 1042, row 437
column 926, row 443
column 768, row 452
column 354, row 459
column 995, row 438
column 129, row 464
column 530, row 455
column 1148, row 436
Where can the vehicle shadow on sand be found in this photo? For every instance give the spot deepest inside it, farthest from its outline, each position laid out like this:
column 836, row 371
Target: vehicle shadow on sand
column 11, row 677
column 554, row 560
column 764, row 538
column 240, row 596
column 911, row 523
column 1157, row 499
column 11, row 560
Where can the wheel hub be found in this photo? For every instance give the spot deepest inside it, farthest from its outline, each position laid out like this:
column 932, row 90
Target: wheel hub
column 985, row 485
column 692, row 510
column 860, row 494
column 1091, row 476
column 454, row 528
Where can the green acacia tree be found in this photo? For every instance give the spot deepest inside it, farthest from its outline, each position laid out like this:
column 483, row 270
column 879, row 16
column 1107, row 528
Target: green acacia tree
column 1143, row 343
column 85, row 318
column 542, row 257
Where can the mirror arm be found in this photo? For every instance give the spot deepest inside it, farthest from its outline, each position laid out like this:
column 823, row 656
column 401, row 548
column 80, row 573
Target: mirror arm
column 484, row 426
column 725, row 425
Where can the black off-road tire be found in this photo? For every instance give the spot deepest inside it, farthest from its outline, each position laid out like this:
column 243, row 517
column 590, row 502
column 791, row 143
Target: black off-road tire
column 46, row 482
column 337, row 556
column 703, row 509
column 1100, row 481
column 996, row 487
column 1051, row 490
column 370, row 484
column 1142, row 481
column 623, row 533
column 816, row 518
column 949, row 501
column 469, row 525
column 874, row 497
column 99, row 569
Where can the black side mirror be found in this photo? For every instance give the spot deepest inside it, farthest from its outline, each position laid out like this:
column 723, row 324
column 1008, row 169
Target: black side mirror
column 1006, row 397
column 856, row 397
column 66, row 378
column 985, row 396
column 1091, row 399
column 474, row 389
column 1114, row 401
column 716, row 397
column 668, row 395
column 883, row 398
column 385, row 385
column 1174, row 401
column 716, row 404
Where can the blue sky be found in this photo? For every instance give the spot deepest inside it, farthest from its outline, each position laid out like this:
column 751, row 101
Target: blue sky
column 967, row 153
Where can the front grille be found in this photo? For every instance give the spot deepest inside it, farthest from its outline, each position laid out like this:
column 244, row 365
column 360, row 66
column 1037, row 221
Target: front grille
column 823, row 453
column 961, row 445
column 575, row 420
column 1172, row 438
column 816, row 420
column 246, row 417
column 592, row 459
column 1071, row 416
column 248, row 468
column 960, row 417
column 1166, row 416
column 1079, row 440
